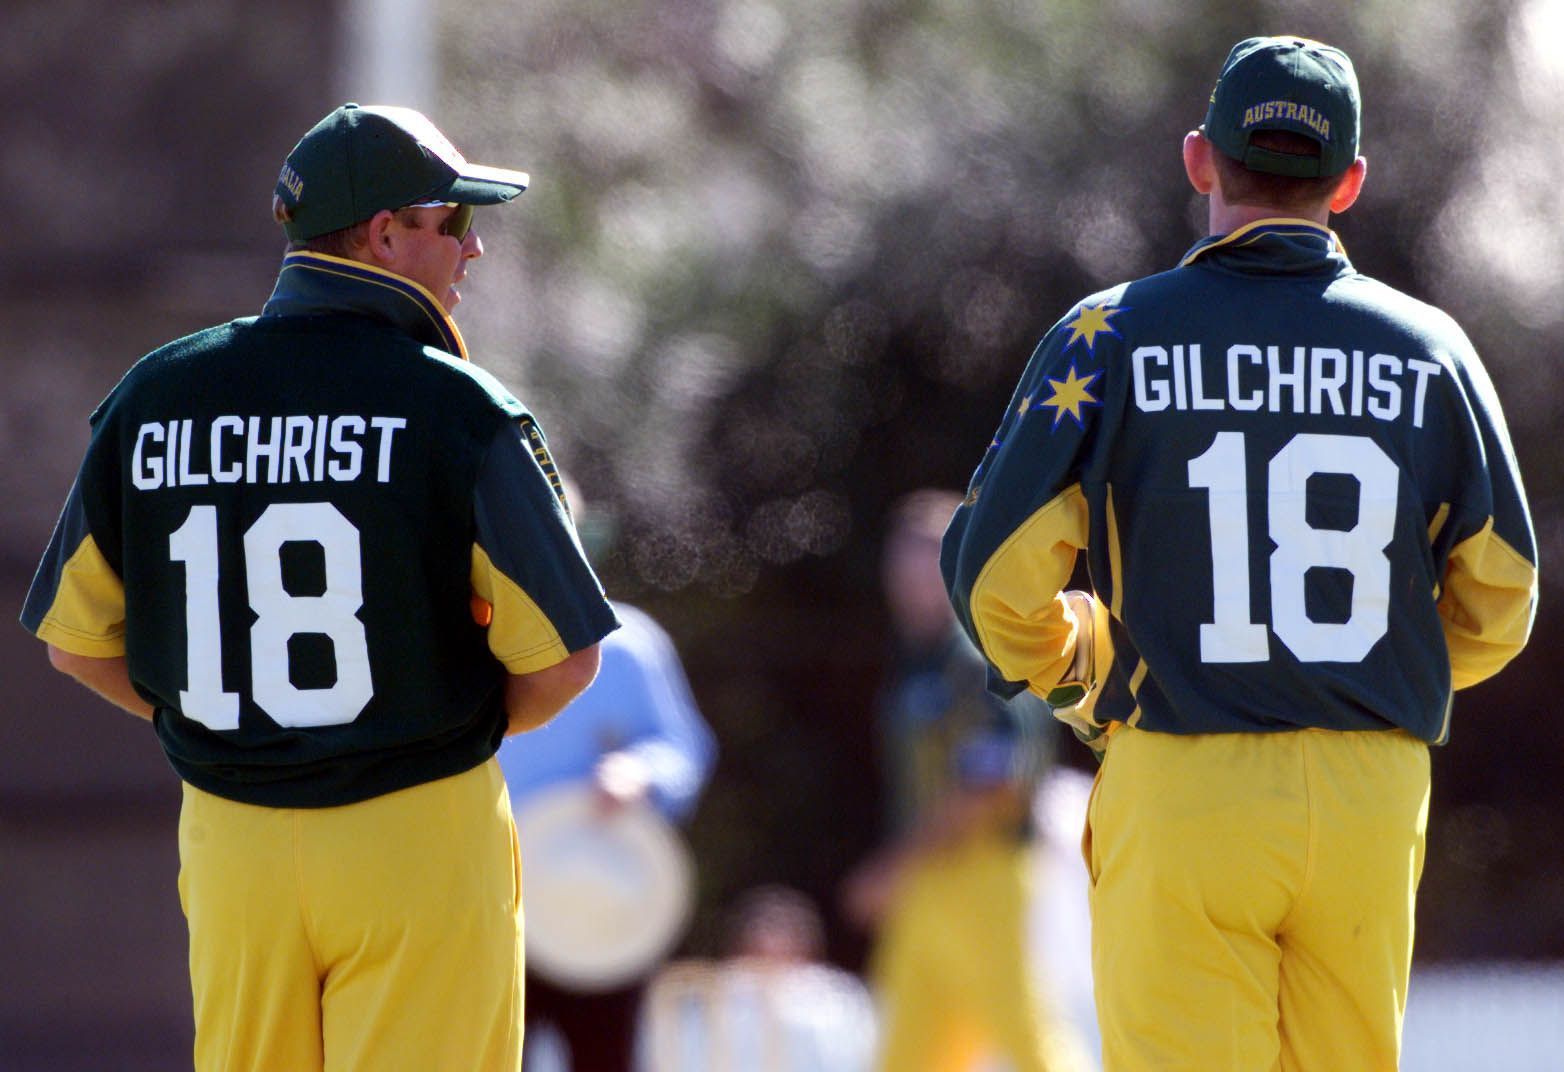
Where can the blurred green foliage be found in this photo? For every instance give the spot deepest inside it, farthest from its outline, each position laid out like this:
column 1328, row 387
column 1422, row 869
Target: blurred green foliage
column 753, row 223
column 783, row 262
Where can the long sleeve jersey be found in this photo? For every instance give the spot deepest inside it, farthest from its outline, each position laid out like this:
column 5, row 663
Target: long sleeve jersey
column 1294, row 488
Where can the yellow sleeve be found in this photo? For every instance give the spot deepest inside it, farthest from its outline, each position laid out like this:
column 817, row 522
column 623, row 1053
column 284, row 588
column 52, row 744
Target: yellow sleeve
column 1017, row 604
column 1487, row 604
column 86, row 614
column 520, row 634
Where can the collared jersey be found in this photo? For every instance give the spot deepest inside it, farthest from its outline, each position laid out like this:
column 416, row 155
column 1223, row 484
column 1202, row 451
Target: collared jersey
column 320, row 539
column 1294, row 486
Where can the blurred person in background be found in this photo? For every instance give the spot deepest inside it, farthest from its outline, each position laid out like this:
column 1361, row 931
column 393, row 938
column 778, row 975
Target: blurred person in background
column 635, row 738
column 1060, row 924
column 329, row 560
column 771, row 1003
column 949, row 896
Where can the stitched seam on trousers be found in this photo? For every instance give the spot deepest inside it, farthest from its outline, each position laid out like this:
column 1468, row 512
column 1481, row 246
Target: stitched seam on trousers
column 1311, row 830
column 302, row 888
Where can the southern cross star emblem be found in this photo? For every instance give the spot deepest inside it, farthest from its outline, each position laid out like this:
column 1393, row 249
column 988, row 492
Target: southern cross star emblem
column 1091, row 321
column 1071, row 395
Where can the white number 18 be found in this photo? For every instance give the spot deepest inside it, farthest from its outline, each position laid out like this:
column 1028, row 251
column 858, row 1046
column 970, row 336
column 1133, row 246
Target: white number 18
column 1232, row 637
column 280, row 615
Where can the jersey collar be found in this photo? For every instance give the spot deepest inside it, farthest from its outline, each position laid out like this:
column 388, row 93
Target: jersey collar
column 313, row 283
column 1274, row 246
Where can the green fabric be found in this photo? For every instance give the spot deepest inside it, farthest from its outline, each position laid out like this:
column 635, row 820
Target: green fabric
column 360, row 160
column 1291, row 84
column 355, row 419
column 1266, row 341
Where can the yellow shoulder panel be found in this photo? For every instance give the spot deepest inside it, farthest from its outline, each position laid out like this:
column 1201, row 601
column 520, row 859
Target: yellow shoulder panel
column 87, row 616
column 520, row 634
column 1487, row 604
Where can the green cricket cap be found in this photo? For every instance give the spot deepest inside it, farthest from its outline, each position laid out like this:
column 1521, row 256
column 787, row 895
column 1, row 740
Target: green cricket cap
column 364, row 158
column 1286, row 83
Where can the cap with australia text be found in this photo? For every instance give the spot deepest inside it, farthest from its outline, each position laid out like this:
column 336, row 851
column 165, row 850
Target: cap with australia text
column 364, row 158
column 1292, row 84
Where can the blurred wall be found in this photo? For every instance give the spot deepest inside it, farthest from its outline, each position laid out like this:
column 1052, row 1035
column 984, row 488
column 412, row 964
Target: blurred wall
column 140, row 143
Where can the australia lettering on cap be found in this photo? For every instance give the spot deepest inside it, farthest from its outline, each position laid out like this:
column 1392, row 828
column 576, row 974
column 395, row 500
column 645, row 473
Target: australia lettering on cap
column 291, row 181
column 1290, row 110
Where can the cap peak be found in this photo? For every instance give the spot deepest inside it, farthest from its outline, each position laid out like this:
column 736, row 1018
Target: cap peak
column 361, row 159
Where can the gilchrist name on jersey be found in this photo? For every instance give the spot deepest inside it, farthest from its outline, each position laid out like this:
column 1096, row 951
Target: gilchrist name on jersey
column 1282, row 379
column 298, row 448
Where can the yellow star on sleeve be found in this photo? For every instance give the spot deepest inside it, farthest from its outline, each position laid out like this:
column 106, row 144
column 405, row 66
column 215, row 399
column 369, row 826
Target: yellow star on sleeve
column 1071, row 395
column 1091, row 321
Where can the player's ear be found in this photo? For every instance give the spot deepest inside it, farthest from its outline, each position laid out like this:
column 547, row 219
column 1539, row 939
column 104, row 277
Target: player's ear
column 1197, row 162
column 380, row 237
column 1351, row 185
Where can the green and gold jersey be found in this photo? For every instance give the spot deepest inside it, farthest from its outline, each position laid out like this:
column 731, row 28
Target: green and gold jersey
column 320, row 539
column 1294, row 487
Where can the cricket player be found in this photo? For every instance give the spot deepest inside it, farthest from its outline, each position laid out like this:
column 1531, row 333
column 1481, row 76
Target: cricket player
column 1304, row 527
column 328, row 560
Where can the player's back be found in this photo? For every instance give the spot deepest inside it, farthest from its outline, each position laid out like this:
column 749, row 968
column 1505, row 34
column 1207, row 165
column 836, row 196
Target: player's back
column 288, row 501
column 1283, row 463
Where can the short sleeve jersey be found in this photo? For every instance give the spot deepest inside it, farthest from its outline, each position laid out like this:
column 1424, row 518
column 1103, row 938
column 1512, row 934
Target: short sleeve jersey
column 1294, row 485
column 320, row 545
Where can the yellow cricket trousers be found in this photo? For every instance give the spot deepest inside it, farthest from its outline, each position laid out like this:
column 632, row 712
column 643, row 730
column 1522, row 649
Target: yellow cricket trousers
column 377, row 937
column 1252, row 898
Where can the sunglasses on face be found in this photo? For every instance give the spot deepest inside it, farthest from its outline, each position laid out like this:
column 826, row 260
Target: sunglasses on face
column 457, row 224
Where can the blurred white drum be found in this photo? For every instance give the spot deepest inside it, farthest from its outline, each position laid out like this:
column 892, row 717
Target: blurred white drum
column 607, row 893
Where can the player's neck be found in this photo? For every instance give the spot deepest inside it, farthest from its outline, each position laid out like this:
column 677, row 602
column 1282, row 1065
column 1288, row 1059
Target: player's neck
column 1225, row 219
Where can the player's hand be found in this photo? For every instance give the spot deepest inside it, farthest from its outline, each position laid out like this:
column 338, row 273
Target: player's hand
column 1067, row 697
column 622, row 779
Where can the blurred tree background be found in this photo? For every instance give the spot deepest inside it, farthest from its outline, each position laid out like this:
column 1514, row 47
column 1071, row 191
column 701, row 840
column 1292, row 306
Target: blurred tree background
column 781, row 262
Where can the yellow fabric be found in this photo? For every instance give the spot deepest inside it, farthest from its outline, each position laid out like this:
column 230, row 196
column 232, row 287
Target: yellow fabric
column 383, row 935
column 1115, row 555
column 1102, row 666
column 1489, row 598
column 87, row 616
column 1252, row 898
column 1137, row 679
column 951, row 971
column 520, row 634
column 1018, row 610
column 1437, row 525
